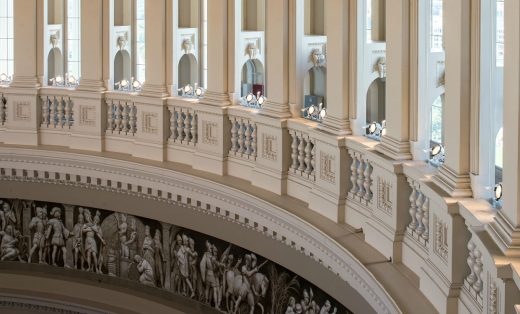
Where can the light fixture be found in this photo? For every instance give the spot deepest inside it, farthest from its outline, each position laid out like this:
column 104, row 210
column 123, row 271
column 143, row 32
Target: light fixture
column 71, row 80
column 252, row 101
column 4, row 79
column 58, row 81
column 437, row 155
column 315, row 113
column 498, row 192
column 136, row 85
column 192, row 91
column 375, row 130
column 131, row 85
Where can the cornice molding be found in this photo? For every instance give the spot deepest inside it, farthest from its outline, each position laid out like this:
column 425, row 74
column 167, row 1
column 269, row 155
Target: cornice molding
column 28, row 165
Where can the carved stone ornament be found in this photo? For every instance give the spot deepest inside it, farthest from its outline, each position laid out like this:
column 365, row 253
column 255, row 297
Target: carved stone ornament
column 54, row 39
column 252, row 50
column 187, row 45
column 154, row 254
column 381, row 67
column 121, row 41
column 317, row 57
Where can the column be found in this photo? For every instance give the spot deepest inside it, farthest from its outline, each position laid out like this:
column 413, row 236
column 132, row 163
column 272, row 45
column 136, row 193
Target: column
column 396, row 143
column 155, row 28
column 68, row 220
column 453, row 177
column 337, row 19
column 25, row 45
column 507, row 226
column 277, row 57
column 91, row 46
column 166, row 252
column 217, row 89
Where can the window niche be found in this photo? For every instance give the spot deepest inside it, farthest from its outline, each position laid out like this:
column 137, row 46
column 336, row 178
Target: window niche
column 188, row 70
column 314, row 17
column 315, row 91
column 55, row 30
column 253, row 78
column 376, row 101
column 253, row 15
column 6, row 41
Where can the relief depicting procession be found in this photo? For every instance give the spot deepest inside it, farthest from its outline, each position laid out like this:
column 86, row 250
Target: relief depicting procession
column 226, row 277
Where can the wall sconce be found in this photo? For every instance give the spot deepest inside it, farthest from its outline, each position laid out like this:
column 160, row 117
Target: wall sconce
column 437, row 155
column 252, row 101
column 315, row 113
column 376, row 130
column 497, row 195
column 189, row 91
column 5, row 79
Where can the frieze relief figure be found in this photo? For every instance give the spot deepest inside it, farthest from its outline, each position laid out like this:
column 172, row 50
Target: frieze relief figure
column 121, row 245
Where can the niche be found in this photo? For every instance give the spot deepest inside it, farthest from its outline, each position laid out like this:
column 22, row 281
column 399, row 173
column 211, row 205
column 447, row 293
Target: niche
column 314, row 17
column 122, row 67
column 54, row 64
column 253, row 77
column 253, row 15
column 188, row 70
column 376, row 101
column 315, row 86
column 188, row 13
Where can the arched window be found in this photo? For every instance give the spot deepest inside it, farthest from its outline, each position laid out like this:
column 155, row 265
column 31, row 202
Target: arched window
column 63, row 43
column 437, row 133
column 376, row 101
column 6, row 38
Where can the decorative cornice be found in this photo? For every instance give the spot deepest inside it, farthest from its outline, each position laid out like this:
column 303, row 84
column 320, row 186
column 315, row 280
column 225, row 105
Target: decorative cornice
column 156, row 184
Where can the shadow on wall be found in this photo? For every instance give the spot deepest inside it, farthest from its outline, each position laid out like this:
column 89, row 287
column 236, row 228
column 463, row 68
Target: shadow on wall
column 156, row 254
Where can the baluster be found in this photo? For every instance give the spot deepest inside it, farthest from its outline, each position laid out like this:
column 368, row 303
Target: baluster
column 426, row 219
column 353, row 173
column 46, row 112
column 3, row 102
column 187, row 127
column 234, row 137
column 294, row 151
column 110, row 117
column 61, row 116
column 180, row 125
column 241, row 137
column 308, row 157
column 419, row 213
column 133, row 119
column 254, row 142
column 413, row 207
column 126, row 118
column 68, row 113
column 173, row 127
column 360, row 177
column 368, row 181
column 472, row 277
column 194, row 138
column 119, row 117
column 478, row 267
column 301, row 153
column 313, row 158
column 248, row 138
column 52, row 114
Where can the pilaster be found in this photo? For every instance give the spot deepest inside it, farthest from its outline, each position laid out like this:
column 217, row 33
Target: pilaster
column 453, row 177
column 506, row 228
column 396, row 143
column 337, row 18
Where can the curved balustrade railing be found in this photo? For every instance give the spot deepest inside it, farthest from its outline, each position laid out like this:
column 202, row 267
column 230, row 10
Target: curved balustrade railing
column 443, row 241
